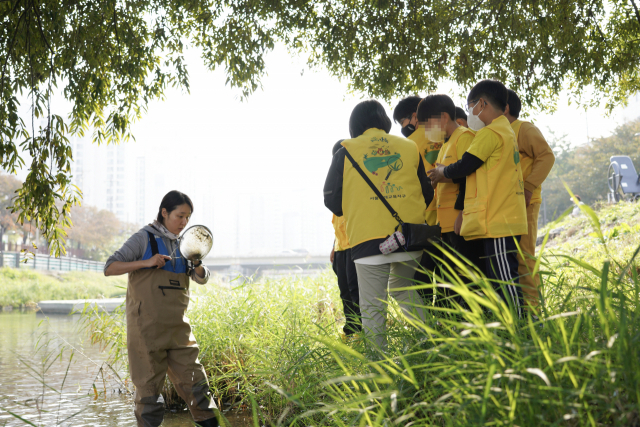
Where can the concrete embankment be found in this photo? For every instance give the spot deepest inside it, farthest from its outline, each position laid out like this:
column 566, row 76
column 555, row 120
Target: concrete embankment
column 67, row 307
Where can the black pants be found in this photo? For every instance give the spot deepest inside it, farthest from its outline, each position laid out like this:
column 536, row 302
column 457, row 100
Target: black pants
column 473, row 250
column 501, row 264
column 345, row 269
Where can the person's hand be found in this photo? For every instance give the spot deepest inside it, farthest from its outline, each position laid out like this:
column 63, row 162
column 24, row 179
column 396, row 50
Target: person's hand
column 332, row 255
column 157, row 260
column 436, row 174
column 527, row 197
column 457, row 225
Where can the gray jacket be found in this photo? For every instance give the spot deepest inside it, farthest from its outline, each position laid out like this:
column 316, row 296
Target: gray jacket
column 134, row 249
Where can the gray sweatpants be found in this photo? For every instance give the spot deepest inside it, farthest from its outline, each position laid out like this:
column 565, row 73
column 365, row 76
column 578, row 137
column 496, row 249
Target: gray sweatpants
column 375, row 283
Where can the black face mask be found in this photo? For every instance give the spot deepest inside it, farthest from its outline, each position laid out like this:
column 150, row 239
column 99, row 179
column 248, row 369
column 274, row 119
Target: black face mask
column 408, row 130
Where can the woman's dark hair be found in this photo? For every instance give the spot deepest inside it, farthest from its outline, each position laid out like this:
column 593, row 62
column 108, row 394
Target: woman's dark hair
column 366, row 115
column 171, row 201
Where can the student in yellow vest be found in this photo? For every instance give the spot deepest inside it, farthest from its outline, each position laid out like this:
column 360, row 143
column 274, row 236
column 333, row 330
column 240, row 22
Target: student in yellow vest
column 437, row 114
column 461, row 117
column 405, row 115
column 393, row 165
column 537, row 159
column 345, row 270
column 494, row 205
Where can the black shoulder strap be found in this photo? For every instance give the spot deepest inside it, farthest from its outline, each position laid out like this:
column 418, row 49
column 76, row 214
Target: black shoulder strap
column 357, row 167
column 153, row 243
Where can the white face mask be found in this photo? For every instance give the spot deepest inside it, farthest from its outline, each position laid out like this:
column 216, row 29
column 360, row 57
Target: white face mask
column 473, row 120
column 435, row 134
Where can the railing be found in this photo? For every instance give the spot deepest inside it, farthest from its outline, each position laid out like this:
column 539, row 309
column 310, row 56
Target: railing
column 46, row 262
column 42, row 249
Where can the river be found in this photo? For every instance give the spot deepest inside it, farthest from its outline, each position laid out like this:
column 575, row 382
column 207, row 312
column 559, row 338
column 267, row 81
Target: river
column 47, row 390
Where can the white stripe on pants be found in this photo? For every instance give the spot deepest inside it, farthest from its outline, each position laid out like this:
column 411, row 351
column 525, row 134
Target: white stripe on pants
column 500, row 246
column 375, row 283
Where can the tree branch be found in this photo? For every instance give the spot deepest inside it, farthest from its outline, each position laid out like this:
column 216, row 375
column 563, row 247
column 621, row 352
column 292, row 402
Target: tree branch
column 37, row 10
column 13, row 40
column 635, row 7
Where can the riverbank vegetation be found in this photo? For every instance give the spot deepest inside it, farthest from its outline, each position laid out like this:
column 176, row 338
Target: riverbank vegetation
column 24, row 288
column 275, row 349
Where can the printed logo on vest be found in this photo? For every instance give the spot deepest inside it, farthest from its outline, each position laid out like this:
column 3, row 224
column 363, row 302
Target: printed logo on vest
column 381, row 157
column 430, row 156
column 174, row 282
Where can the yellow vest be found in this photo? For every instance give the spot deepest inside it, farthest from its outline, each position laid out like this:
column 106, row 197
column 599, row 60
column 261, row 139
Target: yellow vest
column 340, row 227
column 428, row 153
column 527, row 164
column 431, row 214
column 428, row 150
column 391, row 163
column 494, row 203
column 447, row 193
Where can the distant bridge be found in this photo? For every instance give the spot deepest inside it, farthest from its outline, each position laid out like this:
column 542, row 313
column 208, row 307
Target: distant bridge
column 226, row 266
column 267, row 265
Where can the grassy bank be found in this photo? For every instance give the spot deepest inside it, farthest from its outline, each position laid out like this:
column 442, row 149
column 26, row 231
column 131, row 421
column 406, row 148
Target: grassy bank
column 23, row 288
column 275, row 348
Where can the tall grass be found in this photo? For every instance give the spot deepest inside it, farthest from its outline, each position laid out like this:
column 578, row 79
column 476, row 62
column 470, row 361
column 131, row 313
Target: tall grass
column 275, row 348
column 24, row 288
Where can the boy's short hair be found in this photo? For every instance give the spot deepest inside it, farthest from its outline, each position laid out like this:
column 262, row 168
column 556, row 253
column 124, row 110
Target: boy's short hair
column 367, row 115
column 515, row 105
column 492, row 91
column 406, row 108
column 460, row 114
column 336, row 147
column 434, row 106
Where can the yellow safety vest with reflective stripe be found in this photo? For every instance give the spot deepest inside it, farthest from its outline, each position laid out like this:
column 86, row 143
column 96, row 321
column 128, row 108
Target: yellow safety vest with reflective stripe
column 391, row 163
column 494, row 203
column 340, row 227
column 447, row 192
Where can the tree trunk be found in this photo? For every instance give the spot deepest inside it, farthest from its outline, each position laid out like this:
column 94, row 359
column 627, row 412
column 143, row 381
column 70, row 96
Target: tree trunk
column 1, row 239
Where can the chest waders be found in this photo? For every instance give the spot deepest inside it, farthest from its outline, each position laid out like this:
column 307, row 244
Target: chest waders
column 160, row 342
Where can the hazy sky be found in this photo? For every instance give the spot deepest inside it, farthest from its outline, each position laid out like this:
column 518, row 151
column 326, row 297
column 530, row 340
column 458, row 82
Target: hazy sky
column 281, row 137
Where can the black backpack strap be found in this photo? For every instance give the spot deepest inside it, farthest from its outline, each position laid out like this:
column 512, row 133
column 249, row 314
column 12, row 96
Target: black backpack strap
column 153, row 243
column 357, row 167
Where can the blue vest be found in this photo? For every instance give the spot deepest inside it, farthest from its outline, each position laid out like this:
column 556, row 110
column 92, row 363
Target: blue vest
column 156, row 246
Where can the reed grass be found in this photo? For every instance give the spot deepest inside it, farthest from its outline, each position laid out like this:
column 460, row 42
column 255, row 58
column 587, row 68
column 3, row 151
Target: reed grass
column 274, row 347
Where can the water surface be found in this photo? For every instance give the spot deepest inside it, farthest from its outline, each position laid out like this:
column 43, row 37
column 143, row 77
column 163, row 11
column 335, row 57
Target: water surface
column 33, row 383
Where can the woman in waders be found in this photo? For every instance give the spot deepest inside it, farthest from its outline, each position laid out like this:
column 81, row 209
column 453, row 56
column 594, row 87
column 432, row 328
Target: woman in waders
column 159, row 338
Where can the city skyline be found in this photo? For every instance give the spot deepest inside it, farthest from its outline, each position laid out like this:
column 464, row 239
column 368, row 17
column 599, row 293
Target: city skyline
column 243, row 223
